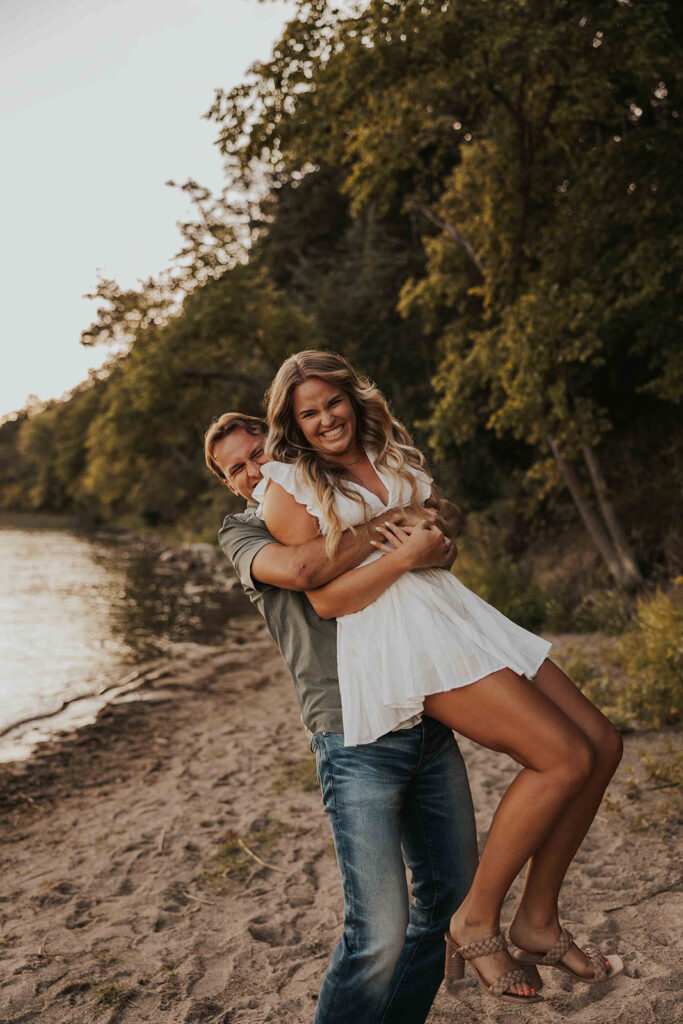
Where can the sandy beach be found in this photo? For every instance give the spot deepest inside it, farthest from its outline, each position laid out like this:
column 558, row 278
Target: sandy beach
column 171, row 863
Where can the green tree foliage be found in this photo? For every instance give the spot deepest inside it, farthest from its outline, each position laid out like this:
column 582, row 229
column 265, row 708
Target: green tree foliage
column 477, row 203
column 43, row 452
column 220, row 351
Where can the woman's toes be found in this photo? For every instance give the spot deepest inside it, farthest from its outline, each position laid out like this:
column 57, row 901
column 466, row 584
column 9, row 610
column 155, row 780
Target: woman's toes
column 521, row 990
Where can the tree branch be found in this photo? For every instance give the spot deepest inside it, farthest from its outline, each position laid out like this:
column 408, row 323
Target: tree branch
column 453, row 234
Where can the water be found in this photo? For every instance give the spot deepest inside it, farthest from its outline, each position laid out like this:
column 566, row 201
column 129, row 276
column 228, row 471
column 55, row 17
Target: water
column 77, row 613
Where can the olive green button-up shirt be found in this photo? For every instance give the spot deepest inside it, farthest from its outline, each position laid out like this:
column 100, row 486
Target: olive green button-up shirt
column 307, row 643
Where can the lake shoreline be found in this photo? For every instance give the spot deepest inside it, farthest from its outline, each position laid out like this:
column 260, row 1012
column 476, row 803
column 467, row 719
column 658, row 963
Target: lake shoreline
column 45, row 521
column 130, row 598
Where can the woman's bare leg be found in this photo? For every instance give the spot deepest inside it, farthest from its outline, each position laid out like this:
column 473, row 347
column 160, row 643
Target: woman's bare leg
column 505, row 712
column 536, row 923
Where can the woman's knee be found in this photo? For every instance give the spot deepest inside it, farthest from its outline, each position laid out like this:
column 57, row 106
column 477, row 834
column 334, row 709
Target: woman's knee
column 574, row 762
column 609, row 749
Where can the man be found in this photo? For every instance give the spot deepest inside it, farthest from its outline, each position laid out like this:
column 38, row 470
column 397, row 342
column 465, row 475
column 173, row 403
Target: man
column 403, row 799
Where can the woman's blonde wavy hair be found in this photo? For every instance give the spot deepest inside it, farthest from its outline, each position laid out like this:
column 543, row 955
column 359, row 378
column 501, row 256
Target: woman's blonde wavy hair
column 376, row 429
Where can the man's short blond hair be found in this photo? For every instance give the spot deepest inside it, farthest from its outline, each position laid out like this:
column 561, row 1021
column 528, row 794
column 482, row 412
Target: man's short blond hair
column 223, row 427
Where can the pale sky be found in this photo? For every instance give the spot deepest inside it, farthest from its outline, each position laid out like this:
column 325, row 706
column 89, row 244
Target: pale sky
column 101, row 102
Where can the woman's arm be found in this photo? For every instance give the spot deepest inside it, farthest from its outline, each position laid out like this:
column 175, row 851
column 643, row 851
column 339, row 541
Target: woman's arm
column 287, row 520
column 299, row 562
column 418, row 547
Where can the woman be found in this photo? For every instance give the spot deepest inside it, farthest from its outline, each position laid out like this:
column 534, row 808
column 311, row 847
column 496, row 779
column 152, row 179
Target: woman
column 420, row 641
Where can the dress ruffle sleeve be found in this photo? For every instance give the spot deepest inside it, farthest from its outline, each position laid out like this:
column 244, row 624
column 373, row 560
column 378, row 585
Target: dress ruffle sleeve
column 288, row 476
column 424, row 484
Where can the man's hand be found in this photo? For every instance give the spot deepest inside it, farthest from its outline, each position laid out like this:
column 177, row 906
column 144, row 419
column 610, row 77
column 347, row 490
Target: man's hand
column 452, row 516
column 424, row 546
column 415, row 515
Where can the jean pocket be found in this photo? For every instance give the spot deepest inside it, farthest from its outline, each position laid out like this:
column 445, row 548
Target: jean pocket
column 315, row 742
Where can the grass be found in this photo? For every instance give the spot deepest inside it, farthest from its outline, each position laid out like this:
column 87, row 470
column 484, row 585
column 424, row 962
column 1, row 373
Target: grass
column 112, row 994
column 297, row 775
column 105, row 956
column 231, row 861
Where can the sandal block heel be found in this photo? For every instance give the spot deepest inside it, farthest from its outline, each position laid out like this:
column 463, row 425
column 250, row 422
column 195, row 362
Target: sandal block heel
column 455, row 965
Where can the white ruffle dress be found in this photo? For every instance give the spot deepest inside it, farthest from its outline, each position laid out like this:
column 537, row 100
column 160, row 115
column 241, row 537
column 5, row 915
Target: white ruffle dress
column 427, row 633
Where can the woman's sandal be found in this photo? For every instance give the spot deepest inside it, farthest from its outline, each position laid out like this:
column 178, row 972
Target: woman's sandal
column 455, row 968
column 553, row 958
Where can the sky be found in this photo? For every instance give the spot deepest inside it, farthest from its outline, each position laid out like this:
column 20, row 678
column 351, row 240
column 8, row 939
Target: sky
column 101, row 102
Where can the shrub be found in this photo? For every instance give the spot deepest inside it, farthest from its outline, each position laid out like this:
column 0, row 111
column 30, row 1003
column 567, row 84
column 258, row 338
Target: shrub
column 559, row 602
column 651, row 655
column 567, row 610
column 606, row 610
column 603, row 687
column 484, row 567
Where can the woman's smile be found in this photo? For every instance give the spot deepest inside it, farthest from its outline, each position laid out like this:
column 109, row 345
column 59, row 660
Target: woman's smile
column 325, row 417
column 333, row 432
column 334, row 440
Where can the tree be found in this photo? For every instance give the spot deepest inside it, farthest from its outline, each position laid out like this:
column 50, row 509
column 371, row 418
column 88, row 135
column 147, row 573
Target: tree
column 533, row 137
column 219, row 352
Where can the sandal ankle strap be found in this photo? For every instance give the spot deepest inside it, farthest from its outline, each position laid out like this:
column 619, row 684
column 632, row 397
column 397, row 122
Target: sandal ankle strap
column 481, row 947
column 559, row 947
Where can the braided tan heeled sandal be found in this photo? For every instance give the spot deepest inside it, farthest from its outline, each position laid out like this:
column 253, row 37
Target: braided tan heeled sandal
column 455, row 968
column 553, row 958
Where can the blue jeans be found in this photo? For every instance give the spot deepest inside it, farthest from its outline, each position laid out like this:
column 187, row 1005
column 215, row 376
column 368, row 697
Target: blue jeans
column 402, row 800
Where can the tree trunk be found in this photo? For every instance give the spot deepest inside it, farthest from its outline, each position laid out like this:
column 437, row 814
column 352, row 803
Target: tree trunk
column 591, row 521
column 621, row 545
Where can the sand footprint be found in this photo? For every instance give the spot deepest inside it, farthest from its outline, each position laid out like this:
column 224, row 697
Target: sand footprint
column 78, row 918
column 274, row 931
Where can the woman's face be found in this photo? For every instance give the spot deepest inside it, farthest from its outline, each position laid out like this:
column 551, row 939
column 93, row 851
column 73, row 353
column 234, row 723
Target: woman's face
column 325, row 416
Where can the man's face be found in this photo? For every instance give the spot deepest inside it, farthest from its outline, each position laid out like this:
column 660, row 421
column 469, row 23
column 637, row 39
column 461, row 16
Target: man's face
column 240, row 456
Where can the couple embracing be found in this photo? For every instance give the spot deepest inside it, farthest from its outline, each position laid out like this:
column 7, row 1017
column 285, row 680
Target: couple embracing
column 345, row 547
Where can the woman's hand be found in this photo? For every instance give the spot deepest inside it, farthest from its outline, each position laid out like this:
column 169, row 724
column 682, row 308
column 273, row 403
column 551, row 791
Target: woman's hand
column 419, row 547
column 414, row 515
column 412, row 547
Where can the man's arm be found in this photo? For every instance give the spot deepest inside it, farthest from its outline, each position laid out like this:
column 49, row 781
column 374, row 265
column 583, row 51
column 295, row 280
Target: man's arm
column 418, row 547
column 305, row 566
column 423, row 545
